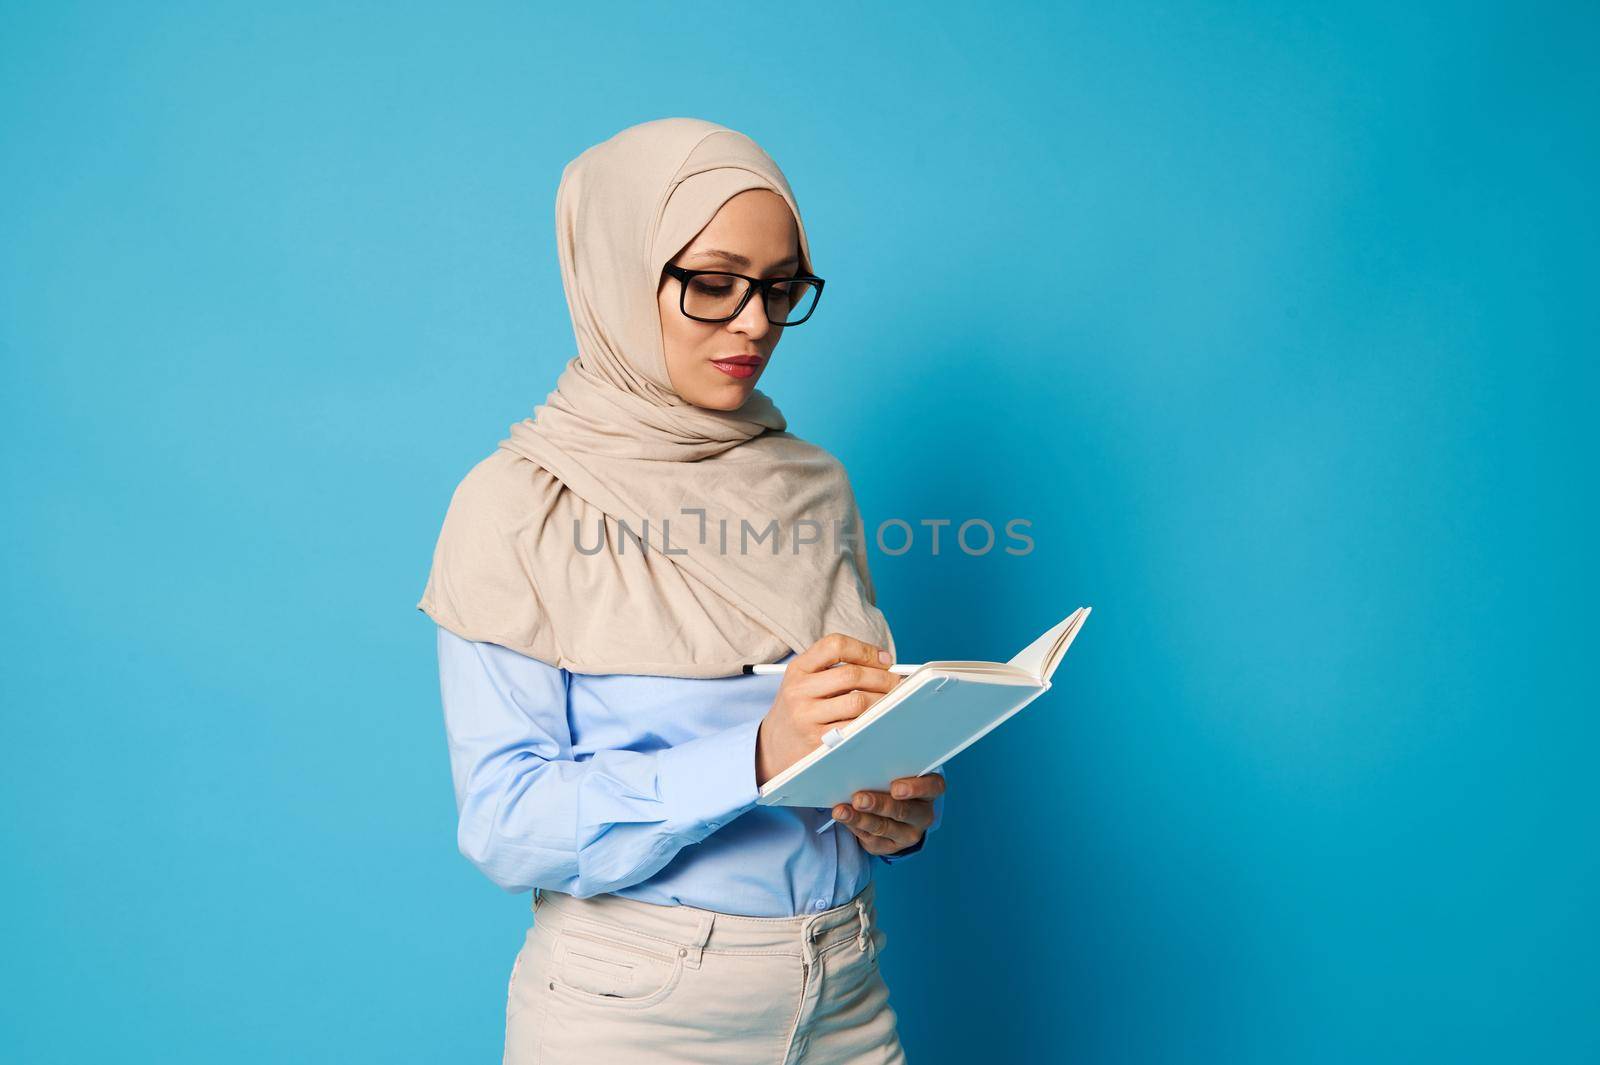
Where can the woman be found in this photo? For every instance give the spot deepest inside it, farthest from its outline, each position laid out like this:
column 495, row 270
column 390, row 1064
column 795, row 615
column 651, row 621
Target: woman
column 599, row 583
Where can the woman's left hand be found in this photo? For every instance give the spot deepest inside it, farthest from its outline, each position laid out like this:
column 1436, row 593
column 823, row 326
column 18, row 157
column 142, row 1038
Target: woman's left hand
column 887, row 822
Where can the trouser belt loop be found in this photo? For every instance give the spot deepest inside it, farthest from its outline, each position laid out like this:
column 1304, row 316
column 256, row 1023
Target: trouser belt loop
column 808, row 937
column 866, row 926
column 695, row 947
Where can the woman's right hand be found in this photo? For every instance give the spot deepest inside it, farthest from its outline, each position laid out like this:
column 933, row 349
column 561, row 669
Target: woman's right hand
column 815, row 696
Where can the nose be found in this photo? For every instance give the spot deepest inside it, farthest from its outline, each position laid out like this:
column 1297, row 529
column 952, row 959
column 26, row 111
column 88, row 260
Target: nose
column 752, row 318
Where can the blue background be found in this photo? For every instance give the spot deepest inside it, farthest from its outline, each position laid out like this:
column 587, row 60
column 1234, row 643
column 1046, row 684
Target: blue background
column 1277, row 323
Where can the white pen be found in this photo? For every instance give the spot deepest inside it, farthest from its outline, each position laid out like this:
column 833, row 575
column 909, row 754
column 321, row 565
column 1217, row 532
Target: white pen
column 772, row 669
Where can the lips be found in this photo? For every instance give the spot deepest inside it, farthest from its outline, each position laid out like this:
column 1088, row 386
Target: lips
column 739, row 366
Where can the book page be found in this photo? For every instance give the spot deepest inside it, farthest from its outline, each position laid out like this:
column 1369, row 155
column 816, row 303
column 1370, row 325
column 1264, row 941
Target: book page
column 953, row 666
column 1041, row 657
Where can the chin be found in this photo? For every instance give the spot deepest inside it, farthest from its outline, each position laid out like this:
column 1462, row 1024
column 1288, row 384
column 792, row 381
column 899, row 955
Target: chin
column 727, row 399
column 724, row 395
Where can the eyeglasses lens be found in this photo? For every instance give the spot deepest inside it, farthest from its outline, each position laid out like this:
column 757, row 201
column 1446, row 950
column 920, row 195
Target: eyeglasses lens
column 716, row 295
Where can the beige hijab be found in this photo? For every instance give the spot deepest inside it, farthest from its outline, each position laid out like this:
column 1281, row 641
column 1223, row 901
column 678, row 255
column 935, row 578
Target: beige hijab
column 623, row 529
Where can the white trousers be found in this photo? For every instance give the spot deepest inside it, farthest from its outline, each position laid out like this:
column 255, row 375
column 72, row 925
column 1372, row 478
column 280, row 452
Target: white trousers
column 608, row 979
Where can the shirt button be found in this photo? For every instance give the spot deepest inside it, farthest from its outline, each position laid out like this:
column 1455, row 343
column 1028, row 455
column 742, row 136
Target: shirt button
column 714, row 825
column 819, row 904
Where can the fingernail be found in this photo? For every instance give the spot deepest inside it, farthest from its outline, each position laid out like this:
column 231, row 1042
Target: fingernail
column 842, row 815
column 863, row 802
column 899, row 791
column 885, row 657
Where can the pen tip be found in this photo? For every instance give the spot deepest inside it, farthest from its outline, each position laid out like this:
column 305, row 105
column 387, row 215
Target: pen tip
column 749, row 669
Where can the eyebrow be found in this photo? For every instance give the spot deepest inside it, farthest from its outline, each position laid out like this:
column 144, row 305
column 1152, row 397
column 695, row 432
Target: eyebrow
column 742, row 260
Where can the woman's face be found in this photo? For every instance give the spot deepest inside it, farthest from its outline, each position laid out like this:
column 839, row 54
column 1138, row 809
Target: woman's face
column 753, row 234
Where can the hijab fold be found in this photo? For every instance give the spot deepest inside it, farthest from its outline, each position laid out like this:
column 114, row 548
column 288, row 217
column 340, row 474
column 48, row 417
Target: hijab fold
column 622, row 529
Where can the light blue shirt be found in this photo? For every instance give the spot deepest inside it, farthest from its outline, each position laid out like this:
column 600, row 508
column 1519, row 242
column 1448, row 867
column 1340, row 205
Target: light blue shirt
column 638, row 786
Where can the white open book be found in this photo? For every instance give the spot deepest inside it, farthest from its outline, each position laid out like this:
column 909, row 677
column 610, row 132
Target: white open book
column 939, row 710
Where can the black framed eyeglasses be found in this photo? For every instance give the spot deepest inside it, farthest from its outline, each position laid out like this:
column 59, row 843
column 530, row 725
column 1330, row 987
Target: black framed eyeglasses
column 719, row 296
